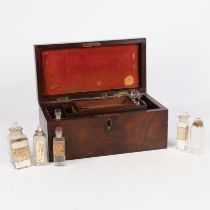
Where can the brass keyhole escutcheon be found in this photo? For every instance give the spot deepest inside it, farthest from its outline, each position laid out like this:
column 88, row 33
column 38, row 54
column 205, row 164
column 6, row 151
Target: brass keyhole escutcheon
column 109, row 124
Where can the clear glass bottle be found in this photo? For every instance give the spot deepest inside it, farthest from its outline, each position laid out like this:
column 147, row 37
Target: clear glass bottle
column 40, row 147
column 182, row 131
column 197, row 135
column 58, row 114
column 59, row 147
column 20, row 151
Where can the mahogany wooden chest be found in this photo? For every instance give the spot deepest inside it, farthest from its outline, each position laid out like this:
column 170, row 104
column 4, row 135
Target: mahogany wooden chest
column 100, row 89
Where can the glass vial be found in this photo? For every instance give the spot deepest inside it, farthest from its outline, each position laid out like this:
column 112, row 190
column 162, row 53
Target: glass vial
column 59, row 147
column 20, row 151
column 182, row 131
column 40, row 147
column 58, row 114
column 197, row 135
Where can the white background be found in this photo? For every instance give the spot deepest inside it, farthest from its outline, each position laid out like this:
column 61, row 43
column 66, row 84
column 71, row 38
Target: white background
column 178, row 71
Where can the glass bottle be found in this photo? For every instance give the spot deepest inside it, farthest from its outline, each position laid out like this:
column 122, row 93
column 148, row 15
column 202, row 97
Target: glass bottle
column 59, row 147
column 197, row 135
column 20, row 151
column 182, row 131
column 40, row 147
column 58, row 114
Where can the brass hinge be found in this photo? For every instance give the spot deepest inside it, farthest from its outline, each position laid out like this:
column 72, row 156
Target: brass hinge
column 123, row 93
column 63, row 99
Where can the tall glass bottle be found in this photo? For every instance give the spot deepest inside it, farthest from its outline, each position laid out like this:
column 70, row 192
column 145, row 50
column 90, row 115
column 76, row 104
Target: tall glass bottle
column 40, row 147
column 182, row 131
column 197, row 135
column 59, row 147
column 20, row 151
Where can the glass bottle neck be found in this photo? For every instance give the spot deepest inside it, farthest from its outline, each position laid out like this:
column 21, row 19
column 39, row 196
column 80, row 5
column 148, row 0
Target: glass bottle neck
column 16, row 134
column 183, row 120
column 59, row 135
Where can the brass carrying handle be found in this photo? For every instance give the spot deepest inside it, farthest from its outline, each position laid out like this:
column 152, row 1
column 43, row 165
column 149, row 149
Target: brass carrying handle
column 109, row 124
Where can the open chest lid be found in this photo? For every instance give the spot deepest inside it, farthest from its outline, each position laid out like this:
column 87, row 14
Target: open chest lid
column 89, row 68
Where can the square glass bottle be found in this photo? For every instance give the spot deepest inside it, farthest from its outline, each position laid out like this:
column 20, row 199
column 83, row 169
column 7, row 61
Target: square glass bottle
column 182, row 131
column 59, row 147
column 197, row 136
column 20, row 151
column 40, row 148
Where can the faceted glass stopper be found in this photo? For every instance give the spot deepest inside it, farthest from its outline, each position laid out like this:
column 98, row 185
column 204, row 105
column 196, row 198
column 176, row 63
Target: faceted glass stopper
column 15, row 128
column 58, row 114
column 135, row 97
column 58, row 132
column 184, row 117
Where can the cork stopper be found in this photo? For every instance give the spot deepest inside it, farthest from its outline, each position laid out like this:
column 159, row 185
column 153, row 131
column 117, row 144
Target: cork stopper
column 198, row 122
column 39, row 131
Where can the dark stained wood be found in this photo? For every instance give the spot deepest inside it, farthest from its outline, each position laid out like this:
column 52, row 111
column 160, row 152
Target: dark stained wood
column 108, row 133
column 132, row 131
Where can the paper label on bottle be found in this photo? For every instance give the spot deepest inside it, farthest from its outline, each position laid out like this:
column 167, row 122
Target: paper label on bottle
column 19, row 144
column 182, row 133
column 23, row 164
column 21, row 154
column 59, row 148
column 40, row 151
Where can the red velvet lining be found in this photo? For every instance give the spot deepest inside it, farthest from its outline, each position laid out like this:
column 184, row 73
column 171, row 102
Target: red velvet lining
column 90, row 69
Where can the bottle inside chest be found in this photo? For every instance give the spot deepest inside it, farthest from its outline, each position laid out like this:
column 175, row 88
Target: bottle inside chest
column 106, row 103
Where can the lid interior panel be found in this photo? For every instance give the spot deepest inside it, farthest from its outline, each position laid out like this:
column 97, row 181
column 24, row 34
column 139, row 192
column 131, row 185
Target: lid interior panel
column 101, row 68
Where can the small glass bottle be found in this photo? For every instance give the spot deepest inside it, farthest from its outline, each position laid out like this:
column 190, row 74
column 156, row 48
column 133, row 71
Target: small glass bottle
column 40, row 147
column 197, row 135
column 58, row 114
column 182, row 131
column 59, row 147
column 20, row 151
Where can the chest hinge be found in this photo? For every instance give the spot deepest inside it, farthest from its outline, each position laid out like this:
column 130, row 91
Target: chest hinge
column 63, row 99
